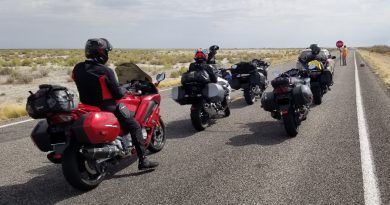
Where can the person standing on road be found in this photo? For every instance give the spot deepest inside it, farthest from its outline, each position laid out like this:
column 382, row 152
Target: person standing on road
column 98, row 86
column 344, row 54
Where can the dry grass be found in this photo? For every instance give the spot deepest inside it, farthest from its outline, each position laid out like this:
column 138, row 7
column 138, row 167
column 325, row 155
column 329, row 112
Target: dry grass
column 8, row 111
column 379, row 62
column 170, row 83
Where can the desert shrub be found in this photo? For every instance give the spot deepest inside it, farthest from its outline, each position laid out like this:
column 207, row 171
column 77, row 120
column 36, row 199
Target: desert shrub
column 380, row 49
column 24, row 79
column 26, row 62
column 170, row 83
column 178, row 73
column 5, row 71
column 44, row 72
column 16, row 77
column 8, row 111
column 41, row 61
column 34, row 67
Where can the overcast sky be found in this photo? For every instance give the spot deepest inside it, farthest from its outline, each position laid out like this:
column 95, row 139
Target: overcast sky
column 193, row 23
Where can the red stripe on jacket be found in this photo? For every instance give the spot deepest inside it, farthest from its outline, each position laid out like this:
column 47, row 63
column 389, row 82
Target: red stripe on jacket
column 106, row 94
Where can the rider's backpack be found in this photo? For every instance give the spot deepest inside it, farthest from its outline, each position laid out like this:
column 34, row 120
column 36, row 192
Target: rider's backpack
column 49, row 99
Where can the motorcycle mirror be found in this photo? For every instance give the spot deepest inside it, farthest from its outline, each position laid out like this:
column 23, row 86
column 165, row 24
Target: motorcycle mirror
column 160, row 77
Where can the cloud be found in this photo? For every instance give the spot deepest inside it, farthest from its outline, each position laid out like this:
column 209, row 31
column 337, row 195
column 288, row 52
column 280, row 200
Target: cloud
column 178, row 23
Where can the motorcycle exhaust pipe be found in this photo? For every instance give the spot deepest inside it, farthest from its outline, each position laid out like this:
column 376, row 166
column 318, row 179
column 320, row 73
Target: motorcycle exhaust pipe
column 108, row 151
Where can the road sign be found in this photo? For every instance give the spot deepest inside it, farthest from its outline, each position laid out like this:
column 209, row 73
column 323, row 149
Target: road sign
column 339, row 44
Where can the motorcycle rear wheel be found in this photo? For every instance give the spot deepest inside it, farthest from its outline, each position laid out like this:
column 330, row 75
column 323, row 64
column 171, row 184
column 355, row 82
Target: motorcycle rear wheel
column 290, row 124
column 80, row 172
column 317, row 95
column 158, row 138
column 249, row 96
column 199, row 117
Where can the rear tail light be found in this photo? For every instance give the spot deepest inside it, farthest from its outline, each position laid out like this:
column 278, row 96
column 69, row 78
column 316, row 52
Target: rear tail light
column 281, row 90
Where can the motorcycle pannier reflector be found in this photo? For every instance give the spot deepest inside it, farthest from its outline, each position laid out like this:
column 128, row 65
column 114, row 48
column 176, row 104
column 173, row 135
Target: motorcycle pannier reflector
column 178, row 95
column 96, row 128
column 49, row 99
column 302, row 95
column 214, row 92
column 268, row 101
column 199, row 76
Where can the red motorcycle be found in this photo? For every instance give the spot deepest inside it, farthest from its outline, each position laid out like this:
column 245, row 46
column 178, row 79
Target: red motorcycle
column 85, row 140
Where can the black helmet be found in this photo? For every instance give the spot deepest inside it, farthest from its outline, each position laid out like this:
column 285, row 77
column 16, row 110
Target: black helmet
column 213, row 48
column 97, row 49
column 315, row 49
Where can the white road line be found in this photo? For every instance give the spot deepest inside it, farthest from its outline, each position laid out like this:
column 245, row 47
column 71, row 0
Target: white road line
column 15, row 123
column 371, row 190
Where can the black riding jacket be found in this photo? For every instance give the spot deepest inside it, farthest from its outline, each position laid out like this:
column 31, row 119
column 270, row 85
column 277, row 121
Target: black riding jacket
column 96, row 84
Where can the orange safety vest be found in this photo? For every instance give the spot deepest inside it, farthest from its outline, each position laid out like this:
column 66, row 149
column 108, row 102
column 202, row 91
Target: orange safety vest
column 344, row 52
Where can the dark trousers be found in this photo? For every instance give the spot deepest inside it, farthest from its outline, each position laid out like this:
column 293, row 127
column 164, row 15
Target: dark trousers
column 344, row 60
column 128, row 124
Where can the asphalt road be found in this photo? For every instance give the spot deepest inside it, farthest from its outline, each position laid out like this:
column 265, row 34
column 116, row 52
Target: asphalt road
column 246, row 158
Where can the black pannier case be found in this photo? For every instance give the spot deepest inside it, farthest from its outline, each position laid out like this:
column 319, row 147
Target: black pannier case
column 49, row 99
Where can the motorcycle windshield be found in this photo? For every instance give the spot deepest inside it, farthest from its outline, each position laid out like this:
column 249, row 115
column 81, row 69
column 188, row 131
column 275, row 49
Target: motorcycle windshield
column 127, row 72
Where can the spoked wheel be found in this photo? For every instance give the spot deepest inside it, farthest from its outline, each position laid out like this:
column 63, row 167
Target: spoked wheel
column 158, row 138
column 199, row 117
column 290, row 123
column 249, row 96
column 81, row 173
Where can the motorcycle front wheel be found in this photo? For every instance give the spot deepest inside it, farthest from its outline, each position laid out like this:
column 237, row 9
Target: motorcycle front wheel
column 158, row 138
column 290, row 124
column 249, row 96
column 199, row 117
column 79, row 172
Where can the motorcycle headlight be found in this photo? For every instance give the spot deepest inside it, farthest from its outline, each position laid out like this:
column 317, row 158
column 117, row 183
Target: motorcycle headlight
column 234, row 66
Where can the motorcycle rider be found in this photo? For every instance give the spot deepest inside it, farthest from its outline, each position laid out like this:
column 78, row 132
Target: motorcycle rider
column 98, row 86
column 200, row 64
column 212, row 52
column 315, row 55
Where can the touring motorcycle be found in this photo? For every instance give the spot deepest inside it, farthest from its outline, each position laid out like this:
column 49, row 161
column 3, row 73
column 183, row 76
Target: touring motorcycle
column 290, row 99
column 85, row 139
column 251, row 77
column 208, row 100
